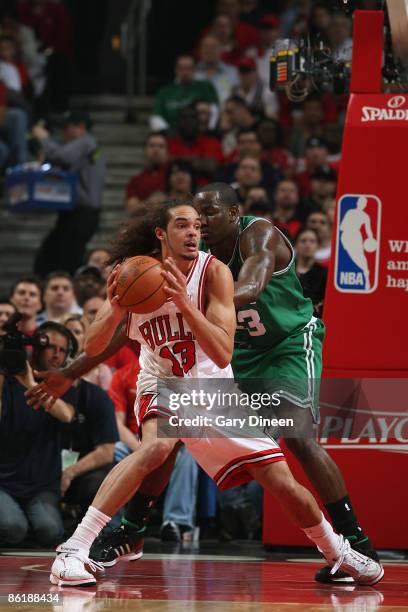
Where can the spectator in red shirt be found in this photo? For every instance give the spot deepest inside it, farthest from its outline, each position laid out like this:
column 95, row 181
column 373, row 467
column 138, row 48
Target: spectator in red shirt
column 203, row 152
column 122, row 392
column 180, row 179
column 235, row 35
column 271, row 138
column 286, row 208
column 124, row 356
column 245, row 34
column 152, row 177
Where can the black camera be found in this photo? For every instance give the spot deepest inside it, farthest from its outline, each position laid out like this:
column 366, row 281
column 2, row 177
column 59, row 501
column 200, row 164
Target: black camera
column 13, row 355
column 300, row 65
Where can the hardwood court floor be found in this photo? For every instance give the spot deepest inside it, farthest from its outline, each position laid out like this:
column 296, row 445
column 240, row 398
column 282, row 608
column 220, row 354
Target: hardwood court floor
column 222, row 579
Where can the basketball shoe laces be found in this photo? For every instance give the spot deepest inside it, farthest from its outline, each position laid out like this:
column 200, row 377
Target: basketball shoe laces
column 82, row 558
column 355, row 560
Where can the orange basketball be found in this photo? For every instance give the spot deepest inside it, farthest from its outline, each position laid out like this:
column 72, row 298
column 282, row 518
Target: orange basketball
column 140, row 284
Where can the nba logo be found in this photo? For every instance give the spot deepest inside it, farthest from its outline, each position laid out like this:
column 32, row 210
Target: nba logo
column 358, row 243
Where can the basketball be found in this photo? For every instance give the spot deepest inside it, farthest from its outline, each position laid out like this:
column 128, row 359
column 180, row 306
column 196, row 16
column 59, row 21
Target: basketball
column 370, row 245
column 140, row 285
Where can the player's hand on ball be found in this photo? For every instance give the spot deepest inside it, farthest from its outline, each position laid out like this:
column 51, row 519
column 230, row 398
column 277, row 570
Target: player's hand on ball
column 175, row 283
column 112, row 284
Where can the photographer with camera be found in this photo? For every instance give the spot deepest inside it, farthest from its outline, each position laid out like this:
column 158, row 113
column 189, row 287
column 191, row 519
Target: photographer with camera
column 6, row 310
column 31, row 439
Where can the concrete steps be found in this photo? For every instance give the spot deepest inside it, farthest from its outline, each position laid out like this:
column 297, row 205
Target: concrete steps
column 122, row 145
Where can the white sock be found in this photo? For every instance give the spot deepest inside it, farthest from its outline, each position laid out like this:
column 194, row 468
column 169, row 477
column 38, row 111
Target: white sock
column 325, row 539
column 88, row 529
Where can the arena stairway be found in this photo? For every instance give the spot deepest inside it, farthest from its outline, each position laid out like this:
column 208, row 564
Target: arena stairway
column 122, row 144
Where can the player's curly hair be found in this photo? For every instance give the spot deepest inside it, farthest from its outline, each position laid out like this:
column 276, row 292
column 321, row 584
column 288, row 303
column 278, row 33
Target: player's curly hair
column 137, row 236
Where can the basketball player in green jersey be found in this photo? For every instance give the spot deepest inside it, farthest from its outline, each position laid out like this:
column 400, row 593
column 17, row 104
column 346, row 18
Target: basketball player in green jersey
column 278, row 342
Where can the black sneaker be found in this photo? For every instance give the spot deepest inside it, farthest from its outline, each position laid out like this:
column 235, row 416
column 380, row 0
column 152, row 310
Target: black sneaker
column 172, row 532
column 323, row 575
column 121, row 544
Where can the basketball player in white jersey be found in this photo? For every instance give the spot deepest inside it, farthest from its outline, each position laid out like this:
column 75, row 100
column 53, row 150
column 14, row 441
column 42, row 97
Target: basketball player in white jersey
column 191, row 335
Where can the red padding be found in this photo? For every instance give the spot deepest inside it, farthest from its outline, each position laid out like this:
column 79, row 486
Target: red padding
column 367, row 52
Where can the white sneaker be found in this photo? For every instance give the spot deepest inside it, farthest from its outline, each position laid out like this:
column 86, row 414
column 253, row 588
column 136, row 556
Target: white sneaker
column 363, row 569
column 68, row 568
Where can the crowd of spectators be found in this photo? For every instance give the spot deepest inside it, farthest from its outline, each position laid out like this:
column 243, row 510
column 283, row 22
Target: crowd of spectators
column 36, row 50
column 218, row 120
column 215, row 120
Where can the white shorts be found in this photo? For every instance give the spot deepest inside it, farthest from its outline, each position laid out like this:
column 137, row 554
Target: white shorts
column 225, row 459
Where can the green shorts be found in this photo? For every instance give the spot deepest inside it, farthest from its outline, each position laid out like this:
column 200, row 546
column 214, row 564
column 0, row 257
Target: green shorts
column 291, row 368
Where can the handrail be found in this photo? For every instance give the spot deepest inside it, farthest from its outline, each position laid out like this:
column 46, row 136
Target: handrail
column 135, row 34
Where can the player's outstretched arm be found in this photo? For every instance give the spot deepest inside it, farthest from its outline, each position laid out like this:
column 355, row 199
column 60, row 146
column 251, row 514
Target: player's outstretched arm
column 108, row 318
column 215, row 330
column 258, row 248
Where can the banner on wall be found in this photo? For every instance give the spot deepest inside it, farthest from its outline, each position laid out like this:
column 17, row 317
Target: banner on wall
column 367, row 292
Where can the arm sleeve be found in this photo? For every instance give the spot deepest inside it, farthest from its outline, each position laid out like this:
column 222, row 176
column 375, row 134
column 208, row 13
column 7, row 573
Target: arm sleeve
column 68, row 154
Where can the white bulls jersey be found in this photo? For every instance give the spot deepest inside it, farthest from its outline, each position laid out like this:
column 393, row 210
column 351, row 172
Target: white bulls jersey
column 168, row 347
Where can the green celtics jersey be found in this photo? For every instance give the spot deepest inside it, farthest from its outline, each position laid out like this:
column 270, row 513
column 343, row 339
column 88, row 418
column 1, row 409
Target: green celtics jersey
column 279, row 311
